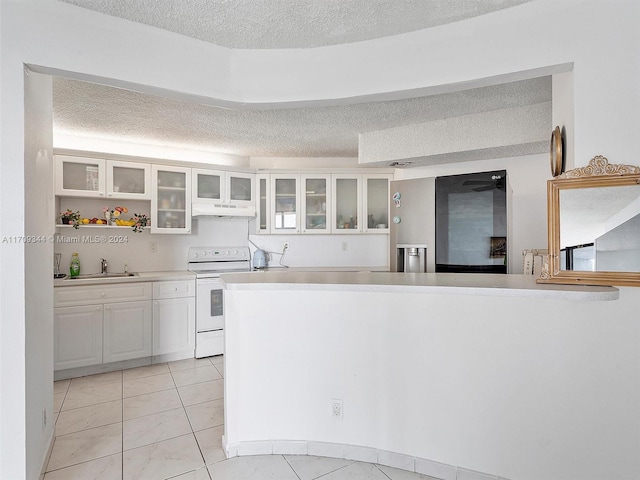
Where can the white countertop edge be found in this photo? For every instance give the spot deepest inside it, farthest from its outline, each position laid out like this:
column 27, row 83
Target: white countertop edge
column 451, row 284
column 158, row 276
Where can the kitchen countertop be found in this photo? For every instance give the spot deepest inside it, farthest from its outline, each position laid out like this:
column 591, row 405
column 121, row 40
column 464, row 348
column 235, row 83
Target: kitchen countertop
column 139, row 277
column 280, row 268
column 435, row 283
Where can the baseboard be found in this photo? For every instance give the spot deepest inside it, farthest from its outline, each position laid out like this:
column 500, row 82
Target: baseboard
column 401, row 461
column 123, row 365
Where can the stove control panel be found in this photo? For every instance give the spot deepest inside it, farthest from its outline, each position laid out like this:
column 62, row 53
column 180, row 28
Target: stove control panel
column 213, row 254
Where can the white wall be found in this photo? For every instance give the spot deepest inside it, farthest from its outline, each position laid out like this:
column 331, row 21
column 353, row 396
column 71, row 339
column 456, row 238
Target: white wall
column 134, row 250
column 527, row 177
column 595, row 38
column 38, row 173
column 523, row 388
column 464, row 135
column 326, row 250
column 532, row 39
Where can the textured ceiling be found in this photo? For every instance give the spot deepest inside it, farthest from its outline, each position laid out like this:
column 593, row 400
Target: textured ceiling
column 259, row 24
column 95, row 111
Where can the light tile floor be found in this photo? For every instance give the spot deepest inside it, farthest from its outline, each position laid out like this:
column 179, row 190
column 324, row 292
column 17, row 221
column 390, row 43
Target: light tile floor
column 166, row 421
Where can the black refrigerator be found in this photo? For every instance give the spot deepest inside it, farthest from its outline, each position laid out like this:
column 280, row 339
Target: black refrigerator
column 471, row 223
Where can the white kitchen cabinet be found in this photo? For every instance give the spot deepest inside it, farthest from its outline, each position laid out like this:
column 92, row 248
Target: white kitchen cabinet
column 128, row 180
column 77, row 336
column 95, row 324
column 208, row 185
column 263, row 203
column 376, row 200
column 170, row 199
column 285, row 205
column 218, row 192
column 100, row 294
column 174, row 317
column 80, row 176
column 316, row 203
column 347, row 203
column 126, row 331
column 239, row 188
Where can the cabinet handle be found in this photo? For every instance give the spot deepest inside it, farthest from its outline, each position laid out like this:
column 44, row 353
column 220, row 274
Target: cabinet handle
column 155, row 303
column 175, row 289
column 107, row 307
column 97, row 308
column 102, row 294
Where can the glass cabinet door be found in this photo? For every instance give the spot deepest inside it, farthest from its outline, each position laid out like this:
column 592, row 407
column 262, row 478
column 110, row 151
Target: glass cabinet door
column 263, row 196
column 79, row 176
column 376, row 198
column 347, row 204
column 128, row 180
column 171, row 204
column 208, row 186
column 316, row 200
column 285, row 204
column 240, row 188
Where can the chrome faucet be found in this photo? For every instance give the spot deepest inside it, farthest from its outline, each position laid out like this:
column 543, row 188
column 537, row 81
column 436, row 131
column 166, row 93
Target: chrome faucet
column 103, row 266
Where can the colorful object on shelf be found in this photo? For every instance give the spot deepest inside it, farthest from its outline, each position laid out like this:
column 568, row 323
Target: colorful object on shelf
column 70, row 217
column 141, row 221
column 111, row 215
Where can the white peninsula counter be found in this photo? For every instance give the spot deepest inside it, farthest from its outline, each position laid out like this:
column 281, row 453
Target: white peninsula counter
column 450, row 375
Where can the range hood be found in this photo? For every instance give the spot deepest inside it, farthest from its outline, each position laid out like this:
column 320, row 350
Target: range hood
column 222, row 210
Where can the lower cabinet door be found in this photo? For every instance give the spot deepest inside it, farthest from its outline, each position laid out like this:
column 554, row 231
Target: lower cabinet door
column 77, row 336
column 127, row 331
column 174, row 325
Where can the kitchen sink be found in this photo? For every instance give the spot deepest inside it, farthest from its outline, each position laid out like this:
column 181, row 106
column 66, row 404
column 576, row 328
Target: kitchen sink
column 89, row 276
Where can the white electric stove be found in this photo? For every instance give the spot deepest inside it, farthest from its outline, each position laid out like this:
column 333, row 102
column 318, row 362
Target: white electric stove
column 208, row 263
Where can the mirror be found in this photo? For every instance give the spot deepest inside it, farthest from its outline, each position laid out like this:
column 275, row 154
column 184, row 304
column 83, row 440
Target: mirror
column 594, row 225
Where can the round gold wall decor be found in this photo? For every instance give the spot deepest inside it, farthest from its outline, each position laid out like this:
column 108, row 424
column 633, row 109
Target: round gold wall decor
column 557, row 152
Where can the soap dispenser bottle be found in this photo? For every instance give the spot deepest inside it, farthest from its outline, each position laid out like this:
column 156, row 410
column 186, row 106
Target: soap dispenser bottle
column 74, row 268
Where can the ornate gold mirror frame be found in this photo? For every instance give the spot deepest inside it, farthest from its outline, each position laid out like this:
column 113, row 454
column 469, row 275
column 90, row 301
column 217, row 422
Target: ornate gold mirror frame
column 598, row 174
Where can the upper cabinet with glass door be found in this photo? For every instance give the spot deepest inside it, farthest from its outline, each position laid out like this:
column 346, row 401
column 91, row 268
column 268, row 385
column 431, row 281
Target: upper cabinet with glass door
column 285, row 208
column 263, row 203
column 347, row 204
column 376, row 202
column 128, row 180
column 171, row 201
column 80, row 176
column 316, row 203
column 208, row 185
column 217, row 192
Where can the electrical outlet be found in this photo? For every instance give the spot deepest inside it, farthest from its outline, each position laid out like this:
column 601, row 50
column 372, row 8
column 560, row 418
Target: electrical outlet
column 345, row 246
column 286, row 246
column 153, row 247
column 336, row 408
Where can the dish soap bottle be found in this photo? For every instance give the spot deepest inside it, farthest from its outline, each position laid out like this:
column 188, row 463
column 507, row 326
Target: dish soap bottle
column 74, row 268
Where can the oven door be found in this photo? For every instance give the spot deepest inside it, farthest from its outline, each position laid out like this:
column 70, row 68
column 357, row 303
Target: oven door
column 209, row 305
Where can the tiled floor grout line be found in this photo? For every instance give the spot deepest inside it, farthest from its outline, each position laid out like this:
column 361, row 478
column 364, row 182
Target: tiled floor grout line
column 204, row 461
column 381, row 471
column 291, row 467
column 333, row 471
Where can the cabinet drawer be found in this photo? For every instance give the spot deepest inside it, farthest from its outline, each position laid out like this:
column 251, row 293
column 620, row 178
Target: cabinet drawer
column 183, row 288
column 98, row 294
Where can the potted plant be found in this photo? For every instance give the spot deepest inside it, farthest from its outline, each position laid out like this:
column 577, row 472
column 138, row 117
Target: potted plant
column 69, row 217
column 140, row 221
